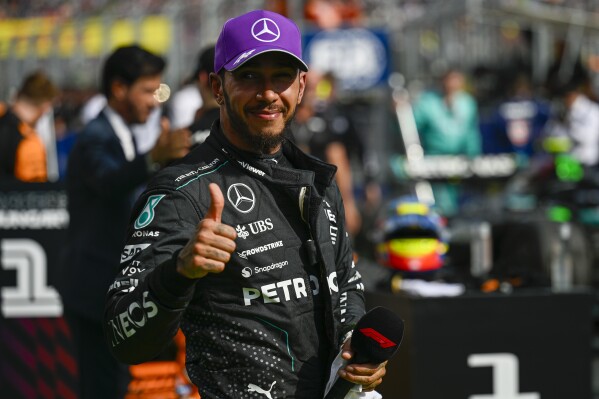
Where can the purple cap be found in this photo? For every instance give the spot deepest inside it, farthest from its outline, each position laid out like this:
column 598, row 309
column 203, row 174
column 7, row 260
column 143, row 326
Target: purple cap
column 256, row 32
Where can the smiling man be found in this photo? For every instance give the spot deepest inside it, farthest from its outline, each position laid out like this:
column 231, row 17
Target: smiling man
column 242, row 243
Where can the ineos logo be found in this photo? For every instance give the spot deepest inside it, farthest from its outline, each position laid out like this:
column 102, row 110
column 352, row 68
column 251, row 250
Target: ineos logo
column 241, row 197
column 265, row 30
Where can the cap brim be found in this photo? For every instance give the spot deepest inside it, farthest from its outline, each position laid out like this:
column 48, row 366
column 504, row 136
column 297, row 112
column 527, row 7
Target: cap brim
column 236, row 63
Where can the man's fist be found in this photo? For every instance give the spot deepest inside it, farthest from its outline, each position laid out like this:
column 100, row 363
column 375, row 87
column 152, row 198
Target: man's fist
column 170, row 145
column 211, row 246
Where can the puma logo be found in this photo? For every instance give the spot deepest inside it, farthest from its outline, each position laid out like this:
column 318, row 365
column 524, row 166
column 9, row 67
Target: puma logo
column 256, row 388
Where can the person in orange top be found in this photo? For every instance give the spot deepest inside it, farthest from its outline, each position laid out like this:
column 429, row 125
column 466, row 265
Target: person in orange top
column 22, row 152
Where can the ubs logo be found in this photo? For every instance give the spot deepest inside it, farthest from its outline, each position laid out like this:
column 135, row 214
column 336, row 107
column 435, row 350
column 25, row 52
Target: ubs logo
column 241, row 197
column 265, row 30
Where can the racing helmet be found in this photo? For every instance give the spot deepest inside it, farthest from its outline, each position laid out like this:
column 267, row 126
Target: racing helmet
column 413, row 238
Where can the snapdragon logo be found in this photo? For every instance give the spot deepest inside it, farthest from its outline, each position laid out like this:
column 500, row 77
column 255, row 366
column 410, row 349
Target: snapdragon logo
column 246, row 272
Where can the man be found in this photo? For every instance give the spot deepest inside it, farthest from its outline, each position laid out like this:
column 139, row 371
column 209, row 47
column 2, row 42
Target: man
column 242, row 243
column 210, row 110
column 104, row 176
column 447, row 121
column 579, row 118
column 22, row 151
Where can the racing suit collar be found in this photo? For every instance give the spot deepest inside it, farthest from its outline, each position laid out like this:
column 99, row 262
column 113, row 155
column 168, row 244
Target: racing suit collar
column 310, row 170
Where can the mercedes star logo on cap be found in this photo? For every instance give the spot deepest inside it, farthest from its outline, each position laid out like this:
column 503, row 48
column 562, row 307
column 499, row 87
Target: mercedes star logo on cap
column 265, row 30
column 241, row 197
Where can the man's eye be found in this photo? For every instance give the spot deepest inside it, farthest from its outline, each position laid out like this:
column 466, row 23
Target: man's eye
column 285, row 76
column 249, row 75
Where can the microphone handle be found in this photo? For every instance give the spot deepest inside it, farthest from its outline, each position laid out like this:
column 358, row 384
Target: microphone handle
column 339, row 389
column 341, row 386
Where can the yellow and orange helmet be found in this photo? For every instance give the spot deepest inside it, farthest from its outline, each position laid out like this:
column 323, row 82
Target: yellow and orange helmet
column 413, row 238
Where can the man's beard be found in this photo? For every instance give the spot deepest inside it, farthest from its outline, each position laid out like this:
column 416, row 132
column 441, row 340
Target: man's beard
column 259, row 142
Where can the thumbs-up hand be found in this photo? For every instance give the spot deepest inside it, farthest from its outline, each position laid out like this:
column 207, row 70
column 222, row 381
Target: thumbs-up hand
column 212, row 244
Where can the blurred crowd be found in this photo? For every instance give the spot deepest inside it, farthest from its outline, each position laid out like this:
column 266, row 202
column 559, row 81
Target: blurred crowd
column 483, row 110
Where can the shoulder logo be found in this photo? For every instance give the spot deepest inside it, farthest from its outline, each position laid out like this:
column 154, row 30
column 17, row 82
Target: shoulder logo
column 265, row 30
column 241, row 197
column 147, row 214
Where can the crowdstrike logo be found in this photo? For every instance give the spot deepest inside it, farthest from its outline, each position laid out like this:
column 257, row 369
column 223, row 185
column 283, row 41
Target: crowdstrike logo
column 265, row 30
column 241, row 197
column 260, row 249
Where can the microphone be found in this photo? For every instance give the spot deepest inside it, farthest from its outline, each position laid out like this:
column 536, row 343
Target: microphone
column 375, row 338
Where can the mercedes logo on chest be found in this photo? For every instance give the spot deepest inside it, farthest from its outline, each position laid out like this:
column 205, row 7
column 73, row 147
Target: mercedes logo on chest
column 241, row 197
column 265, row 30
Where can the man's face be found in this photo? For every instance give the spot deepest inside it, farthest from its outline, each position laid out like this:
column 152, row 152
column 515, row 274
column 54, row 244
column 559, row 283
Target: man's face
column 260, row 99
column 138, row 99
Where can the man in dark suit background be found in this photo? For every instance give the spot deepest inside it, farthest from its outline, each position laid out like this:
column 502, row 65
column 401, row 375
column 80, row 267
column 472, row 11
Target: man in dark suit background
column 105, row 172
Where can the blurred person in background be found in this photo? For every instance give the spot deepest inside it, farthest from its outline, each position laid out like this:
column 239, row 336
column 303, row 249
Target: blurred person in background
column 210, row 110
column 332, row 14
column 22, row 151
column 577, row 115
column 105, row 170
column 517, row 122
column 187, row 100
column 447, row 120
column 145, row 134
column 447, row 123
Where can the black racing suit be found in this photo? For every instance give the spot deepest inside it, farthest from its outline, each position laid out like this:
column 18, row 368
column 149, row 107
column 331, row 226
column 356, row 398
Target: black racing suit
column 273, row 320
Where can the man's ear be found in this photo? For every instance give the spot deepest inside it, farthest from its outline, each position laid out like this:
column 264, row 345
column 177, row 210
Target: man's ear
column 118, row 89
column 302, row 87
column 216, row 84
column 204, row 78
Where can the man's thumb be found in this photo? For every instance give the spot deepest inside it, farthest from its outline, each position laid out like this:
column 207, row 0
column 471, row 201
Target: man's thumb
column 165, row 125
column 217, row 203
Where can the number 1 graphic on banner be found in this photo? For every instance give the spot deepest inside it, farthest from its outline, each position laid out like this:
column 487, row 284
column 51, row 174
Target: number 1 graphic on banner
column 505, row 376
column 31, row 297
